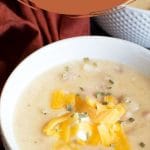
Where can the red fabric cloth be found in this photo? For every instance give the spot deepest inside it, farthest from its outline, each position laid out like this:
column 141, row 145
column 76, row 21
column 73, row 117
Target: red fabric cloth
column 23, row 30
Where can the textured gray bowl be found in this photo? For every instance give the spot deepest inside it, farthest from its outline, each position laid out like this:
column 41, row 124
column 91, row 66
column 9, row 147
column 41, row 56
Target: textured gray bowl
column 127, row 23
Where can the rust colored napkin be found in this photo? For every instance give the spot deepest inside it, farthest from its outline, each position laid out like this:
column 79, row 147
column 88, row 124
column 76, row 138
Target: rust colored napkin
column 23, row 30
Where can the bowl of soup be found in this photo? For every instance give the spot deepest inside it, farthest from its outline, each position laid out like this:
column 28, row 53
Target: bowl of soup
column 83, row 93
column 130, row 22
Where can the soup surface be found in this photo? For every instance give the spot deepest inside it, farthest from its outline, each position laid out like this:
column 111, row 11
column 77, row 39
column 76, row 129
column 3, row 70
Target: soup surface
column 92, row 78
column 143, row 4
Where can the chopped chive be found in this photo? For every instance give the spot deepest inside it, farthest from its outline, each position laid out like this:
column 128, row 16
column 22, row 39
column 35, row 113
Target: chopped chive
column 141, row 144
column 104, row 103
column 94, row 64
column 97, row 94
column 109, row 87
column 81, row 88
column 77, row 94
column 86, row 59
column 72, row 115
column 67, row 68
column 44, row 112
column 108, row 94
column 120, row 121
column 87, row 135
column 102, row 93
column 69, row 107
column 131, row 119
column 96, row 107
column 28, row 105
column 83, row 115
column 56, row 130
column 110, row 81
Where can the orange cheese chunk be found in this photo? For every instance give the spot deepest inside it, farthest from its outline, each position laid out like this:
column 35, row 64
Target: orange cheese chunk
column 90, row 122
column 60, row 99
column 121, row 142
column 110, row 100
column 94, row 139
column 111, row 116
column 51, row 127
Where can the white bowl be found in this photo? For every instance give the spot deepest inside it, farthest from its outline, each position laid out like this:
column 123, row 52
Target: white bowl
column 127, row 23
column 60, row 52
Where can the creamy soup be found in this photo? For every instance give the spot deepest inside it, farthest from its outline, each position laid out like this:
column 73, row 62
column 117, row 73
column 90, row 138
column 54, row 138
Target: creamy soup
column 87, row 78
column 143, row 4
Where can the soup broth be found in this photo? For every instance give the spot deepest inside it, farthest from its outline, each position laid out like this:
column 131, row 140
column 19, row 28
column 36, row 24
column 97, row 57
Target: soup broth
column 84, row 78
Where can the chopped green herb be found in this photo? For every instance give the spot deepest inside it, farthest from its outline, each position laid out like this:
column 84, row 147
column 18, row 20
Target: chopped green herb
column 102, row 93
column 110, row 81
column 67, row 68
column 81, row 88
column 83, row 115
column 131, row 119
column 72, row 115
column 87, row 135
column 96, row 107
column 86, row 59
column 77, row 94
column 141, row 144
column 28, row 105
column 69, row 107
column 120, row 121
column 44, row 112
column 56, row 130
column 94, row 64
column 63, row 76
column 108, row 94
column 104, row 103
column 98, row 94
column 109, row 87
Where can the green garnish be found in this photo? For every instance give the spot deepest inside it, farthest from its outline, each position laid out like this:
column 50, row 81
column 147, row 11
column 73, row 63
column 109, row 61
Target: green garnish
column 110, row 81
column 67, row 68
column 87, row 135
column 141, row 144
column 108, row 94
column 77, row 94
column 104, row 103
column 109, row 87
column 94, row 64
column 69, row 107
column 103, row 94
column 99, row 94
column 120, row 121
column 96, row 107
column 131, row 119
column 86, row 59
column 81, row 88
column 83, row 115
column 72, row 115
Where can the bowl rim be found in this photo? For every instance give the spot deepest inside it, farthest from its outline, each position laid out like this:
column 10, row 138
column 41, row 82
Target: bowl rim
column 140, row 10
column 2, row 126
